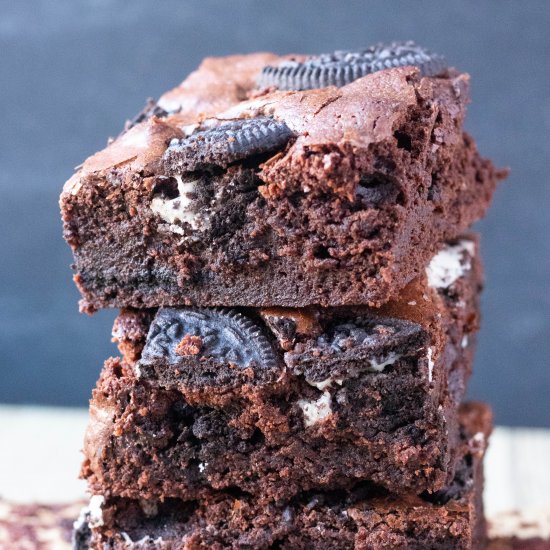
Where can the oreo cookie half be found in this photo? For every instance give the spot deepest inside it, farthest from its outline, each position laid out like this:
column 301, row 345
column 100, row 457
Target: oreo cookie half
column 221, row 334
column 342, row 67
column 225, row 144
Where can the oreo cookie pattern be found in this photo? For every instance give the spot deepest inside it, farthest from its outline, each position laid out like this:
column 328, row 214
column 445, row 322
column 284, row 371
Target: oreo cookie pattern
column 224, row 334
column 225, row 144
column 342, row 67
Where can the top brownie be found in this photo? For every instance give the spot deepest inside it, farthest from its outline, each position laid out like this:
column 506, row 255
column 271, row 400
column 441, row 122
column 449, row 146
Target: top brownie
column 280, row 181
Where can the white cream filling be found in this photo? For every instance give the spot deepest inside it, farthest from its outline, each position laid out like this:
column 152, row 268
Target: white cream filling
column 147, row 539
column 326, row 383
column 451, row 263
column 91, row 514
column 126, row 537
column 430, row 364
column 464, row 342
column 202, row 466
column 380, row 363
column 178, row 209
column 479, row 438
column 95, row 511
column 316, row 411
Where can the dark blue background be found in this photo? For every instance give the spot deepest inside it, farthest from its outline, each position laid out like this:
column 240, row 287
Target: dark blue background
column 72, row 71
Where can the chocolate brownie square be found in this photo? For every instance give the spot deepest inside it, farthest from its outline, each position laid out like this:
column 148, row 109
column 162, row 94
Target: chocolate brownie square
column 279, row 401
column 365, row 517
column 264, row 181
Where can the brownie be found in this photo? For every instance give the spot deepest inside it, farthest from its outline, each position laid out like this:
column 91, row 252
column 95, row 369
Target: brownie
column 278, row 401
column 267, row 181
column 37, row 526
column 365, row 517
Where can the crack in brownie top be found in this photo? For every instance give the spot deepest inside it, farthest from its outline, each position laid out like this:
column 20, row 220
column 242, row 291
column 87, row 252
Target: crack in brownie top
column 342, row 67
column 225, row 144
column 221, row 334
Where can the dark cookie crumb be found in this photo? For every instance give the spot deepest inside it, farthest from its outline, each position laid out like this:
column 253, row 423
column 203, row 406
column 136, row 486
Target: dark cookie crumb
column 150, row 109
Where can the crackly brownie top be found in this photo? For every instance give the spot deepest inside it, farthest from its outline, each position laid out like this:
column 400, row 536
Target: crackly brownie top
column 291, row 104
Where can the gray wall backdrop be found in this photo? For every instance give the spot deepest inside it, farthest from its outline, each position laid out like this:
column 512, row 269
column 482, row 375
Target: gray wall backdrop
column 71, row 72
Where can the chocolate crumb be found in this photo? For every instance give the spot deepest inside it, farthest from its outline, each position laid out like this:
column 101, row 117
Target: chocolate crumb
column 189, row 345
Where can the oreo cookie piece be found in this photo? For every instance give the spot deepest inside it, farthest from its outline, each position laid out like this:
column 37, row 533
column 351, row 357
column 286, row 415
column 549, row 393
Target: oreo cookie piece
column 225, row 335
column 364, row 344
column 225, row 144
column 289, row 325
column 342, row 67
column 371, row 333
column 150, row 109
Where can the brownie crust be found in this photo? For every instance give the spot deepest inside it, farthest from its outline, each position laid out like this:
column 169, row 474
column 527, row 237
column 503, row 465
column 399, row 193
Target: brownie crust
column 326, row 212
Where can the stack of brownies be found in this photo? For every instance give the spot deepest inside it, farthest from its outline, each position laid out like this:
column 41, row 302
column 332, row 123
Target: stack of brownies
column 286, row 239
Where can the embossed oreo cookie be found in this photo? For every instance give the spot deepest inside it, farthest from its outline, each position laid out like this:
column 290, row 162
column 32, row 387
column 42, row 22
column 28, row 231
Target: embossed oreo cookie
column 225, row 144
column 224, row 335
column 342, row 67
